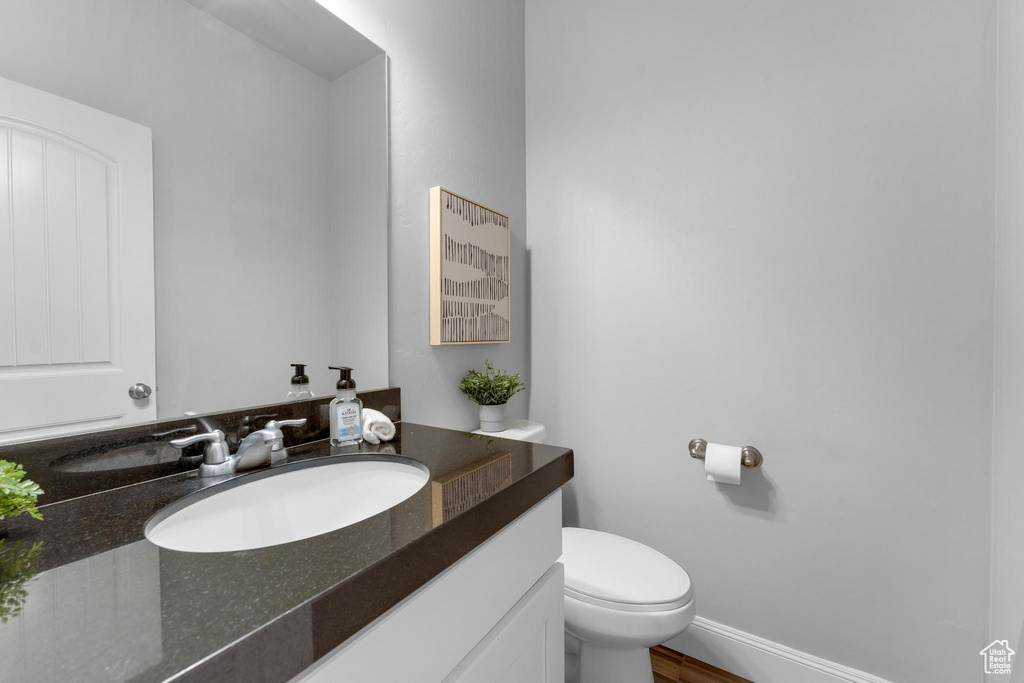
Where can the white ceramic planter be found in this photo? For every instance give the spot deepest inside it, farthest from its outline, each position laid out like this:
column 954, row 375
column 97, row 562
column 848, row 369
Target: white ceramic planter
column 492, row 418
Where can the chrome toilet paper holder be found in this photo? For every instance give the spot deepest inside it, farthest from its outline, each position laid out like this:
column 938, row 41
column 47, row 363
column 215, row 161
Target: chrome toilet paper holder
column 749, row 456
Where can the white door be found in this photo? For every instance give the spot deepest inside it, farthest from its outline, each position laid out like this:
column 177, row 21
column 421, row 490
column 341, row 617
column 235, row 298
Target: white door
column 77, row 322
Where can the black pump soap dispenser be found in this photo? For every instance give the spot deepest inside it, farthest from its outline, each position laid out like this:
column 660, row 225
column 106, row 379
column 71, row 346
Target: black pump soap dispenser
column 346, row 411
column 298, row 389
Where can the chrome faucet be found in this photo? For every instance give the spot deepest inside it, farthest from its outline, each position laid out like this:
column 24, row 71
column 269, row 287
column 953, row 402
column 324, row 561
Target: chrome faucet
column 262, row 447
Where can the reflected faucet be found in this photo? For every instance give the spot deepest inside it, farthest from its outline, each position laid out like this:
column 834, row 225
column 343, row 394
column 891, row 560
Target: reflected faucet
column 245, row 426
column 262, row 447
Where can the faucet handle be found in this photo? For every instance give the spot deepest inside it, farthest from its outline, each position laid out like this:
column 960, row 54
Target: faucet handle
column 278, row 452
column 216, row 436
column 277, row 424
column 216, row 450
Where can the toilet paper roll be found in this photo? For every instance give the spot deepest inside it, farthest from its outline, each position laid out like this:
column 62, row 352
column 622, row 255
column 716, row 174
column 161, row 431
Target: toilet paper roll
column 723, row 464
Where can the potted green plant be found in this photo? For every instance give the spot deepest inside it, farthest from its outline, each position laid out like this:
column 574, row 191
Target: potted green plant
column 17, row 494
column 491, row 390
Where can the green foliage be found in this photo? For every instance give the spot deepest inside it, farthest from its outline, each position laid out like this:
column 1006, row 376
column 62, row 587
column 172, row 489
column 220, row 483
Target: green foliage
column 17, row 566
column 491, row 387
column 17, row 494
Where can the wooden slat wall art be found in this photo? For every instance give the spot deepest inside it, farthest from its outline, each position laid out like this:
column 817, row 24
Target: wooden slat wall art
column 470, row 273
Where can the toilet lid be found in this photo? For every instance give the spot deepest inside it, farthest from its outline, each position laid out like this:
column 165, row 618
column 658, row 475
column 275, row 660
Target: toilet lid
column 612, row 571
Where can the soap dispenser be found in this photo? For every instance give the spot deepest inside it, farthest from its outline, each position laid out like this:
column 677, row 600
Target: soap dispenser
column 346, row 411
column 298, row 389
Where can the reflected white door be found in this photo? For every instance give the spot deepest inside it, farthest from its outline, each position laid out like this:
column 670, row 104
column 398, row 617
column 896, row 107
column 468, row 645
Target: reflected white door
column 77, row 324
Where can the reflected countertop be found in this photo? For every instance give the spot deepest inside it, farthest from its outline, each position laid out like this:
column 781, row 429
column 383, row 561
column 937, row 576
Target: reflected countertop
column 85, row 597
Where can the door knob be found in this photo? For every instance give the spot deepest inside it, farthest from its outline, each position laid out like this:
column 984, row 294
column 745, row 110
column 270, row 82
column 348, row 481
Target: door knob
column 139, row 391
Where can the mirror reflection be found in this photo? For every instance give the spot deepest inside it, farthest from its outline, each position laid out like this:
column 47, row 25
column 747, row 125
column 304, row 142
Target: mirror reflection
column 121, row 613
column 179, row 228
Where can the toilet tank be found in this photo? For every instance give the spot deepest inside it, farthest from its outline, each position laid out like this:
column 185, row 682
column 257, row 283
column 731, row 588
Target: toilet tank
column 520, row 430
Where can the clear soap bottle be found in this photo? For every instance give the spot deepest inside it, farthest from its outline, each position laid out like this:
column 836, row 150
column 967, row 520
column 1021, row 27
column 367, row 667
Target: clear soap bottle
column 298, row 388
column 346, row 411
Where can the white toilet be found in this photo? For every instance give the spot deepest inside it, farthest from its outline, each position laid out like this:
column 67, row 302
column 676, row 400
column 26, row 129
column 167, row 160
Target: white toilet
column 621, row 597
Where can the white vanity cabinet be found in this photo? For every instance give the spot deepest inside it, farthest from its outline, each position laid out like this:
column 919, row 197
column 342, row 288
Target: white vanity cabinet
column 495, row 616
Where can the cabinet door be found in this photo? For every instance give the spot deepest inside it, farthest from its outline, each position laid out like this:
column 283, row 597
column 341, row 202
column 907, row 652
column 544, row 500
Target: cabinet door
column 431, row 633
column 527, row 645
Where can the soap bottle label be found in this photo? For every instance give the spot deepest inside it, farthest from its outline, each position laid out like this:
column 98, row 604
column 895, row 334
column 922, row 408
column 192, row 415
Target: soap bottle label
column 349, row 426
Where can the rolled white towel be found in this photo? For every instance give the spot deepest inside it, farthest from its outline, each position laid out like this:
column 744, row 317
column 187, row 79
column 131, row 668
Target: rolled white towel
column 377, row 426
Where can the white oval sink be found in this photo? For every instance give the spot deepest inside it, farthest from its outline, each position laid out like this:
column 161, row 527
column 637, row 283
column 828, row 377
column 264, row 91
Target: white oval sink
column 286, row 506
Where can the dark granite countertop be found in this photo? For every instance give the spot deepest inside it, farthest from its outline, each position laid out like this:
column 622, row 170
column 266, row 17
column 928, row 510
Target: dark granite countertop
column 105, row 604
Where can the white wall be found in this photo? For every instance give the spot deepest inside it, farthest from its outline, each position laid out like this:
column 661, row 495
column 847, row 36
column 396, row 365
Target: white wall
column 457, row 120
column 359, row 216
column 771, row 223
column 1008, row 436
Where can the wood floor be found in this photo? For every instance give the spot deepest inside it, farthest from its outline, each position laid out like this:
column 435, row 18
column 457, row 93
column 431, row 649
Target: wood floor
column 675, row 667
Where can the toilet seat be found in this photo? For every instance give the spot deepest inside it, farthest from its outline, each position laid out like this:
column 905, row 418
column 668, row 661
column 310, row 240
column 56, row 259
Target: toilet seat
column 625, row 606
column 617, row 573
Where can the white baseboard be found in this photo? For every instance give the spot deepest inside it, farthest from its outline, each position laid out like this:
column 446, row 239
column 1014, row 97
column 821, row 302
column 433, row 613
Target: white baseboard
column 760, row 660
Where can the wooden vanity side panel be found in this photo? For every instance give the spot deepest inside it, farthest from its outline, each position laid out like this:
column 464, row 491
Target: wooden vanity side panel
column 435, row 266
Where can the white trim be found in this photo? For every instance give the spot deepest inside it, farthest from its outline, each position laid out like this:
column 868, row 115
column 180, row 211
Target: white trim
column 764, row 661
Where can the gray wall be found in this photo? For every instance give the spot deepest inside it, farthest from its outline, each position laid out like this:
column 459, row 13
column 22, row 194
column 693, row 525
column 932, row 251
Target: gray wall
column 1008, row 434
column 772, row 224
column 359, row 200
column 457, row 120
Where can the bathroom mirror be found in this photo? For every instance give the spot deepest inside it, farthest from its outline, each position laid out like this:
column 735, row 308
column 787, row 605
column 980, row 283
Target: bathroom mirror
column 194, row 196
